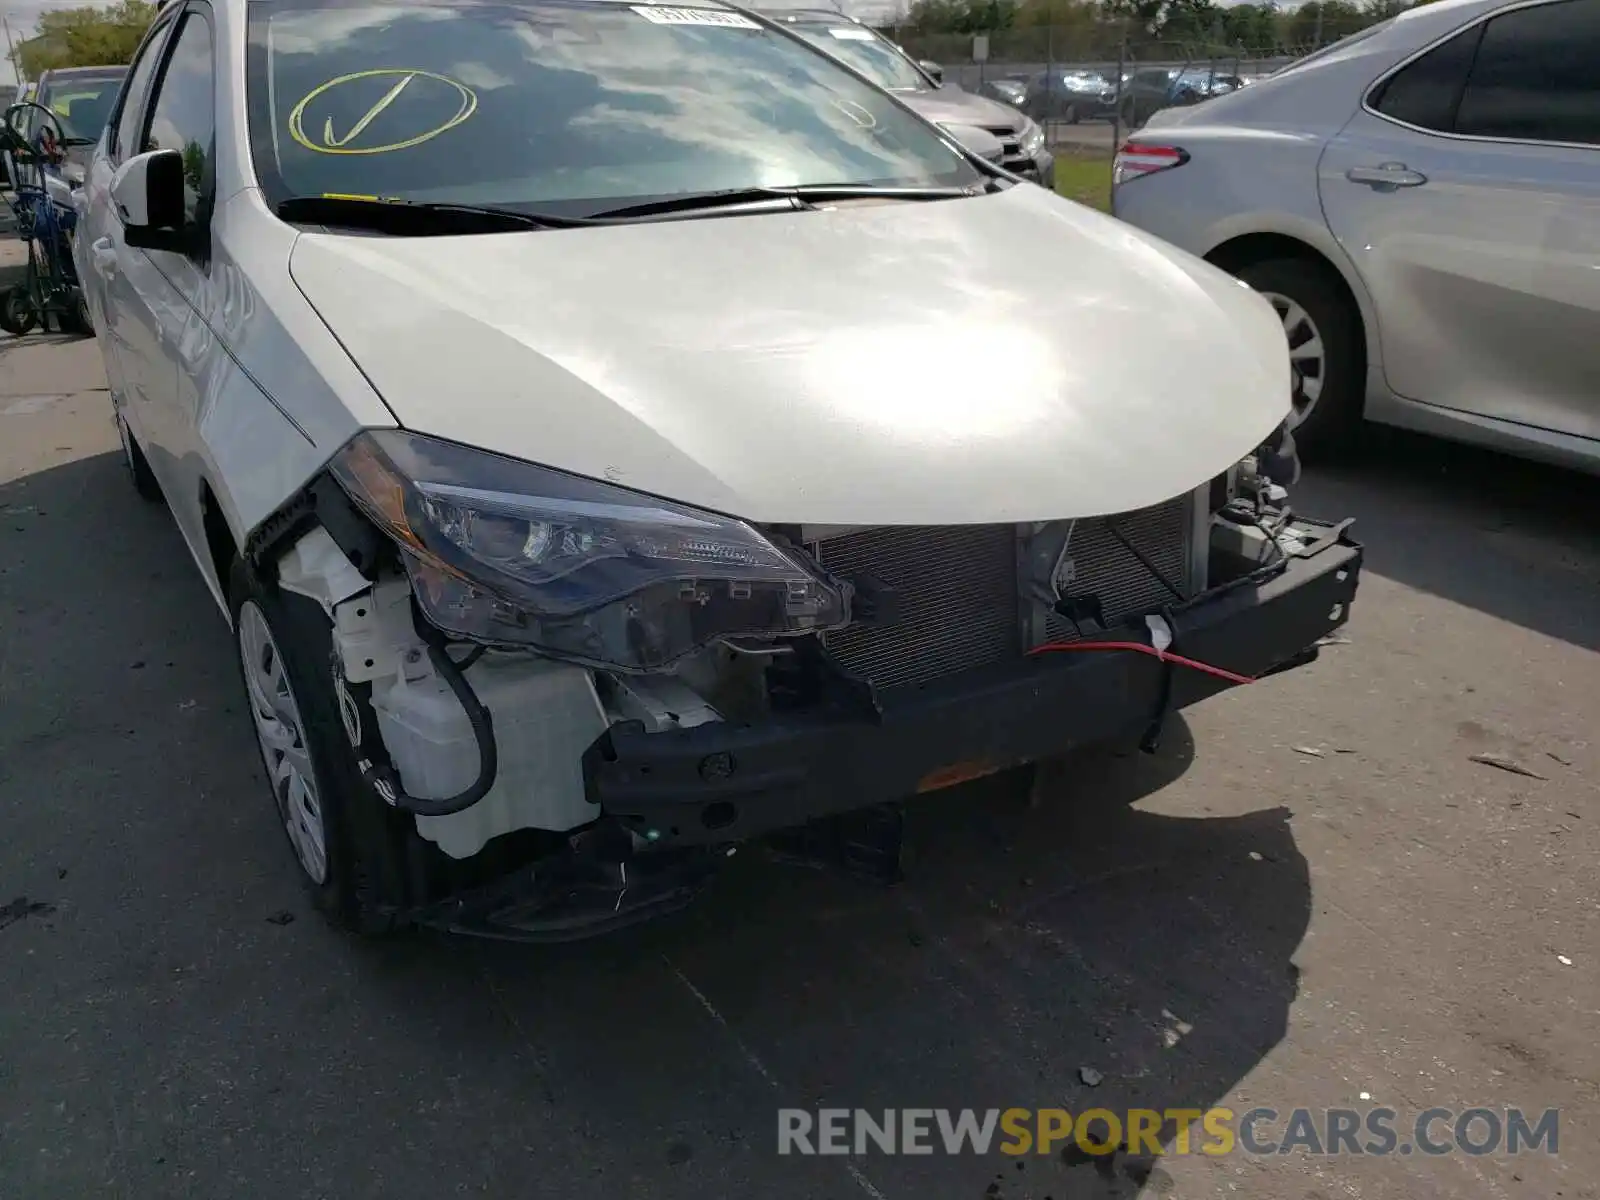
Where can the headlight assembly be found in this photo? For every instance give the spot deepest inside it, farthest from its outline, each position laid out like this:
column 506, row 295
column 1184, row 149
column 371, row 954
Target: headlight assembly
column 1031, row 139
column 505, row 551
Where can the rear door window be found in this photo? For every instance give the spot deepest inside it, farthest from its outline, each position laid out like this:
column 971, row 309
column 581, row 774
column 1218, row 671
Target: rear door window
column 1427, row 92
column 1537, row 76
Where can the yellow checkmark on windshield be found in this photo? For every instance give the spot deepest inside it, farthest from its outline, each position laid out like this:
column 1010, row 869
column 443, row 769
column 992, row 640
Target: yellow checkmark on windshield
column 328, row 139
column 452, row 105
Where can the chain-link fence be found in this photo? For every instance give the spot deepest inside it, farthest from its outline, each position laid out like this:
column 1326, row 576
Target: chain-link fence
column 1091, row 84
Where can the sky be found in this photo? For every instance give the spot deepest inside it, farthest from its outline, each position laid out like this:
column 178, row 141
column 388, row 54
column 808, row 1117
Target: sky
column 21, row 15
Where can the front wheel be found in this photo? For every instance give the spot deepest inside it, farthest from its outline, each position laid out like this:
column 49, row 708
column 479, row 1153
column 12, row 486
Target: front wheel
column 1326, row 350
column 82, row 317
column 348, row 846
column 144, row 479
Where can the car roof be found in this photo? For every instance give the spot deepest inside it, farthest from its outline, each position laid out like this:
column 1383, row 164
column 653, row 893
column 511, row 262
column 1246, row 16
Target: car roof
column 63, row 77
column 109, row 71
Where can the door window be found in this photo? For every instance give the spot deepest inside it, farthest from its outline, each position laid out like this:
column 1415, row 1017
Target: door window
column 1427, row 92
column 183, row 109
column 132, row 101
column 1537, row 76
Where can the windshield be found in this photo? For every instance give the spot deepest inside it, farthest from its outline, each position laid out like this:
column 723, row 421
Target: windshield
column 562, row 107
column 865, row 51
column 82, row 104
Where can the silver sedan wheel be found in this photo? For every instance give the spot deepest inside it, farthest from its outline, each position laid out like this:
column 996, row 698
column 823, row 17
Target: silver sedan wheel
column 1308, row 357
column 283, row 745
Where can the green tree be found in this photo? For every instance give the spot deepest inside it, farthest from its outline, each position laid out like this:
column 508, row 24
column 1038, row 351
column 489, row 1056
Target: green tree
column 1192, row 21
column 1251, row 26
column 1144, row 15
column 960, row 16
column 194, row 165
column 1058, row 14
column 1318, row 22
column 85, row 37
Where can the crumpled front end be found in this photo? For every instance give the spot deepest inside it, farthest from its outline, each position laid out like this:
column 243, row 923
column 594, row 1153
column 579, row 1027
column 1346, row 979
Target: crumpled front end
column 619, row 776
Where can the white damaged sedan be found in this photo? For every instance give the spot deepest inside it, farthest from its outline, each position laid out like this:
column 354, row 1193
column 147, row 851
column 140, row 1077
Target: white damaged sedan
column 617, row 432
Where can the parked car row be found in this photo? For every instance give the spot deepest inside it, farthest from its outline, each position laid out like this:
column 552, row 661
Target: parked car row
column 1070, row 95
column 1146, row 92
column 920, row 85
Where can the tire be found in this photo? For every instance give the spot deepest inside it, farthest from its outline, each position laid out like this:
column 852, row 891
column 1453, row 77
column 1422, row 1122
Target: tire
column 81, row 316
column 1070, row 116
column 364, row 883
column 144, row 479
column 16, row 311
column 1334, row 416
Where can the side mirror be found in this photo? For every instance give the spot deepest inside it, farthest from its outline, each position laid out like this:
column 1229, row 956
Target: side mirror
column 148, row 193
column 934, row 71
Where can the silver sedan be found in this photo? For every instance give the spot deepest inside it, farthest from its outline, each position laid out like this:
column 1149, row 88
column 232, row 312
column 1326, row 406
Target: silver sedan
column 1421, row 202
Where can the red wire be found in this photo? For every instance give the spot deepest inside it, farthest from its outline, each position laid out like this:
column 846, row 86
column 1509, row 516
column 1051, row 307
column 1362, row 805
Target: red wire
column 1141, row 648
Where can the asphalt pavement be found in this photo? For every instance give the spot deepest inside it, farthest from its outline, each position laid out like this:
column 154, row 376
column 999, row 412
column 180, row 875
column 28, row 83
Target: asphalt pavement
column 1368, row 882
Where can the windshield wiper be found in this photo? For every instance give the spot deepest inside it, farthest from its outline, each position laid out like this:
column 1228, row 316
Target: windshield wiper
column 414, row 218
column 800, row 197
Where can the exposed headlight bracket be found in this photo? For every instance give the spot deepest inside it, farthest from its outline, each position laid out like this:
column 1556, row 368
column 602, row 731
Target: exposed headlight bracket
column 508, row 552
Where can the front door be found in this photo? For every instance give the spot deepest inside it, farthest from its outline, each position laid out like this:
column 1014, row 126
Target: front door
column 167, row 337
column 102, row 256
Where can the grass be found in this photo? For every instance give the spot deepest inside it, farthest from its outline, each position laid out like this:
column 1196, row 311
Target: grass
column 1084, row 177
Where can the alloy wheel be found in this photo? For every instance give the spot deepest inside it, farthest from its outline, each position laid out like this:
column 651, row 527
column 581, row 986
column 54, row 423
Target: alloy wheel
column 1308, row 357
column 283, row 745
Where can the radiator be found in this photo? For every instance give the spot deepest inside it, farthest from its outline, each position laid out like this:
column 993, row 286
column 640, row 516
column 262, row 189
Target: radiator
column 958, row 590
column 1105, row 568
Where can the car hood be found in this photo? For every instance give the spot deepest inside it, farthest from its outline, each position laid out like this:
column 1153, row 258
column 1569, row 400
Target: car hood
column 1009, row 357
column 952, row 106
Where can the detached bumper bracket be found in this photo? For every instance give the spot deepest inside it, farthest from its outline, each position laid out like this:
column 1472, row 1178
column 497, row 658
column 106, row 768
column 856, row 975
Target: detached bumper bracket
column 1151, row 742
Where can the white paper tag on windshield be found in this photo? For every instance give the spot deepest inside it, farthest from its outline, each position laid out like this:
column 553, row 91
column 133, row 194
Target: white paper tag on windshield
column 694, row 16
column 852, row 35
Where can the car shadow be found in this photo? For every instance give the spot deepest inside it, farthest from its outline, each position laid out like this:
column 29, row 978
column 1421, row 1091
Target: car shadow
column 1071, row 949
column 1078, row 947
column 1513, row 539
column 1076, row 950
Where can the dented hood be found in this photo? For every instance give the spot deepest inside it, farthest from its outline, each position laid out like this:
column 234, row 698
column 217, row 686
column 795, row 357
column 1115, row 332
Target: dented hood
column 1010, row 357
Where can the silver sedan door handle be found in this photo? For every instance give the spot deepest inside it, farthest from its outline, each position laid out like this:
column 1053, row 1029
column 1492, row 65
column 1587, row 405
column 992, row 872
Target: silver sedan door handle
column 104, row 255
column 1394, row 175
